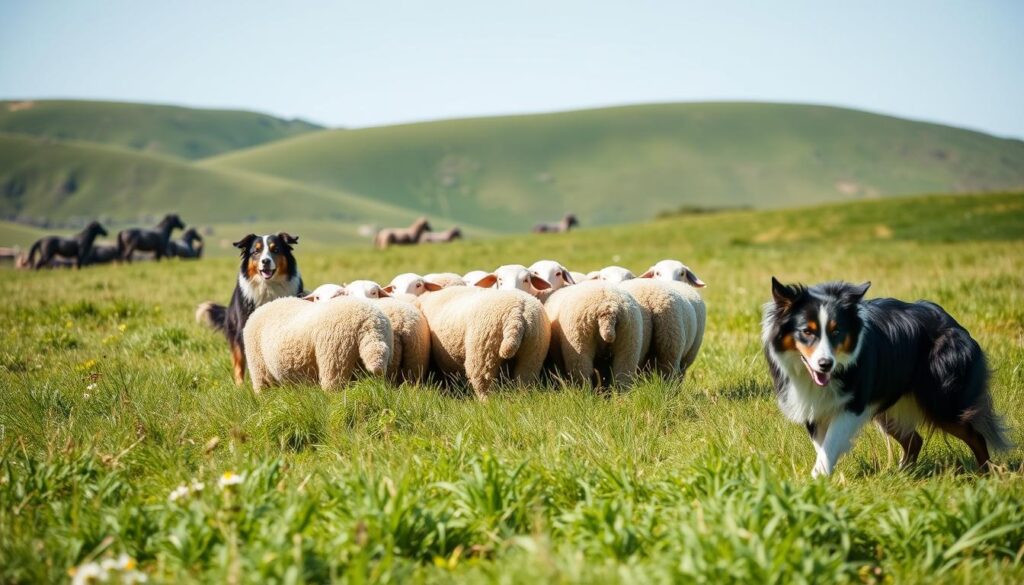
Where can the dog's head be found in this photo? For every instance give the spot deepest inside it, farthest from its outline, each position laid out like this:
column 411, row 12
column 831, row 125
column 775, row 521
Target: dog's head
column 268, row 257
column 820, row 327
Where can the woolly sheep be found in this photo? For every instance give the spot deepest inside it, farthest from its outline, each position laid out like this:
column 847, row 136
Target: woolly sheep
column 670, row 324
column 473, row 332
column 410, row 283
column 686, row 283
column 473, row 276
column 577, row 276
column 595, row 324
column 444, row 279
column 292, row 340
column 612, row 274
column 514, row 277
column 553, row 273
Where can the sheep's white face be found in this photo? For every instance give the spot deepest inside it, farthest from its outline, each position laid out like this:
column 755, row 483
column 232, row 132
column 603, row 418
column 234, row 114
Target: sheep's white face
column 325, row 292
column 472, row 277
column 674, row 270
column 552, row 272
column 366, row 289
column 613, row 274
column 514, row 277
column 410, row 284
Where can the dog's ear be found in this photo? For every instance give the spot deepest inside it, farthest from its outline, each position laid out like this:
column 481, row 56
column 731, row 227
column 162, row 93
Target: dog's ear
column 784, row 295
column 245, row 242
column 288, row 238
column 487, row 281
column 857, row 291
column 694, row 279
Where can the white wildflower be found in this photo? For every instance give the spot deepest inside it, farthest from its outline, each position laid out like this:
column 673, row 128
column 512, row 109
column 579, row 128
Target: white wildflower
column 91, row 386
column 197, row 486
column 230, row 478
column 88, row 573
column 177, row 493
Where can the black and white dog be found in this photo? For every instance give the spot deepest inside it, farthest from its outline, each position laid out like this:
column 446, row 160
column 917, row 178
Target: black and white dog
column 268, row 271
column 838, row 361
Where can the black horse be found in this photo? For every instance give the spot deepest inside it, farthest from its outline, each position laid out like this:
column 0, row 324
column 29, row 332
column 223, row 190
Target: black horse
column 104, row 254
column 78, row 247
column 146, row 240
column 190, row 245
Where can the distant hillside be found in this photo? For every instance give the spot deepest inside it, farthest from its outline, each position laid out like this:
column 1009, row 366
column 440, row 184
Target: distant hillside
column 60, row 181
column 174, row 131
column 630, row 163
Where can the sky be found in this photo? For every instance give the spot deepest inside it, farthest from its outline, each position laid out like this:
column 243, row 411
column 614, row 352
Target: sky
column 357, row 64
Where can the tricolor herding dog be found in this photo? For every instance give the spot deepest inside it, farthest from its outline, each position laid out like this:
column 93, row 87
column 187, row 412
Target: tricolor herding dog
column 268, row 271
column 838, row 361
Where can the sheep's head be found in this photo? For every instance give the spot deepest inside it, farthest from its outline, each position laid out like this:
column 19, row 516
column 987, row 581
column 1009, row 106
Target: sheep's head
column 473, row 276
column 325, row 292
column 613, row 274
column 514, row 277
column 674, row 270
column 553, row 273
column 365, row 289
column 410, row 283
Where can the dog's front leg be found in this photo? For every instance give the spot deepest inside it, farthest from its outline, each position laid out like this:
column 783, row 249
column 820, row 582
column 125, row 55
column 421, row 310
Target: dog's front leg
column 837, row 440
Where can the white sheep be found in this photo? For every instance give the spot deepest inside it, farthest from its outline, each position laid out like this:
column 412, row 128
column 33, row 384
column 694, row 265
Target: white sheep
column 670, row 324
column 595, row 324
column 577, row 276
column 473, row 276
column 444, row 279
column 514, row 277
column 293, row 340
column 410, row 355
column 553, row 273
column 410, row 283
column 686, row 283
column 612, row 274
column 474, row 332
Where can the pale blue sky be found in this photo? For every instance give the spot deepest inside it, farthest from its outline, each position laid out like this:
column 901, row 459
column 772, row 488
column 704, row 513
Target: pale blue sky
column 371, row 63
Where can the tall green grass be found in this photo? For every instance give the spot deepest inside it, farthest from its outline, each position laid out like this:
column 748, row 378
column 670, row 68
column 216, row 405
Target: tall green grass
column 113, row 397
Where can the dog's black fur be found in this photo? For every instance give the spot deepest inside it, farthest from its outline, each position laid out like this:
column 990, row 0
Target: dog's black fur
column 253, row 289
column 886, row 350
column 148, row 240
column 78, row 247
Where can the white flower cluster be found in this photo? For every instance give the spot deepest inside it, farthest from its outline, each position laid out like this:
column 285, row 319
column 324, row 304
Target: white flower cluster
column 231, row 479
column 184, row 491
column 119, row 570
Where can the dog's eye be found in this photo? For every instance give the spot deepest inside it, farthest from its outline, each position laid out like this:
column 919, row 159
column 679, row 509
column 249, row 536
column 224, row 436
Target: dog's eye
column 273, row 248
column 807, row 332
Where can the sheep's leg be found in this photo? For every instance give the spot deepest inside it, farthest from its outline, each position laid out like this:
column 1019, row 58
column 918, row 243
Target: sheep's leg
column 690, row 356
column 259, row 374
column 625, row 358
column 668, row 346
column 335, row 368
column 482, row 365
column 579, row 362
column 396, row 371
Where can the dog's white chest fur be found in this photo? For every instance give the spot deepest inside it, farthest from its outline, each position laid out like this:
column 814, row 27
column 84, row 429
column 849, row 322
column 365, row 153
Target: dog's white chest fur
column 262, row 292
column 803, row 400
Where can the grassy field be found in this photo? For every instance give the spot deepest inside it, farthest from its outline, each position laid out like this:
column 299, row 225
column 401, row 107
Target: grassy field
column 114, row 397
column 627, row 164
column 188, row 133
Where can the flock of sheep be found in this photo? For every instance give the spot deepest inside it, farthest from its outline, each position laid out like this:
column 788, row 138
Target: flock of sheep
column 514, row 322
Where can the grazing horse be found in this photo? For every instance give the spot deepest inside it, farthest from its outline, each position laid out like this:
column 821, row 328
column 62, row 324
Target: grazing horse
column 567, row 223
column 148, row 240
column 78, row 247
column 395, row 236
column 104, row 254
column 448, row 235
column 190, row 245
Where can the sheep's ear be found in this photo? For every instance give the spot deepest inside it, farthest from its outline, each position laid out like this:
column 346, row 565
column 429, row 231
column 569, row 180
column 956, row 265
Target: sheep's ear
column 383, row 294
column 432, row 286
column 567, row 276
column 594, row 275
column 341, row 292
column 310, row 297
column 695, row 280
column 539, row 283
column 487, row 281
column 388, row 289
column 245, row 242
column 648, row 274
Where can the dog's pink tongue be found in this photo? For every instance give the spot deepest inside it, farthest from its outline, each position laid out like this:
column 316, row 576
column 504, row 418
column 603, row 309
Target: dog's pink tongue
column 820, row 379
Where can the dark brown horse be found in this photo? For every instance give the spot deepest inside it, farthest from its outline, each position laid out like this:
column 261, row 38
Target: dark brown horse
column 189, row 245
column 568, row 222
column 78, row 247
column 148, row 240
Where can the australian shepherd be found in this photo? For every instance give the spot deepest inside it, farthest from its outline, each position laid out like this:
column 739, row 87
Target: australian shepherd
column 838, row 361
column 268, row 271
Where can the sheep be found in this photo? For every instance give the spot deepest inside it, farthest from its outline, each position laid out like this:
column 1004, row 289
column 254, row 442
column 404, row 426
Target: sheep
column 577, row 276
column 444, row 279
column 410, row 283
column 291, row 339
column 567, row 223
column 515, row 277
column 682, row 279
column 553, row 273
column 475, row 332
column 595, row 324
column 410, row 235
column 446, row 236
column 670, row 324
column 612, row 274
column 410, row 354
column 473, row 276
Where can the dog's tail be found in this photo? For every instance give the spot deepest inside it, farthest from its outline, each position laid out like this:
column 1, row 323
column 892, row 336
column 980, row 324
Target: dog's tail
column 212, row 314
column 991, row 426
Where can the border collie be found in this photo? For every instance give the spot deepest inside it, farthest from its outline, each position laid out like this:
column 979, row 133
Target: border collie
column 838, row 361
column 268, row 271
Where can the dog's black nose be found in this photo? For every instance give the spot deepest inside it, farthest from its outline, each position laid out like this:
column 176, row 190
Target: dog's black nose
column 826, row 364
column 265, row 261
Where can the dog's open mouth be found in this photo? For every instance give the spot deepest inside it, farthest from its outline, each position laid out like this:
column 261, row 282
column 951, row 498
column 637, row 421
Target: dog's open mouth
column 267, row 273
column 819, row 378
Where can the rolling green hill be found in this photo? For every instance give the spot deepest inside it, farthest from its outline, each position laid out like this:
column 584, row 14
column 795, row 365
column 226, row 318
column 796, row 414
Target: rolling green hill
column 182, row 132
column 44, row 179
column 630, row 163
